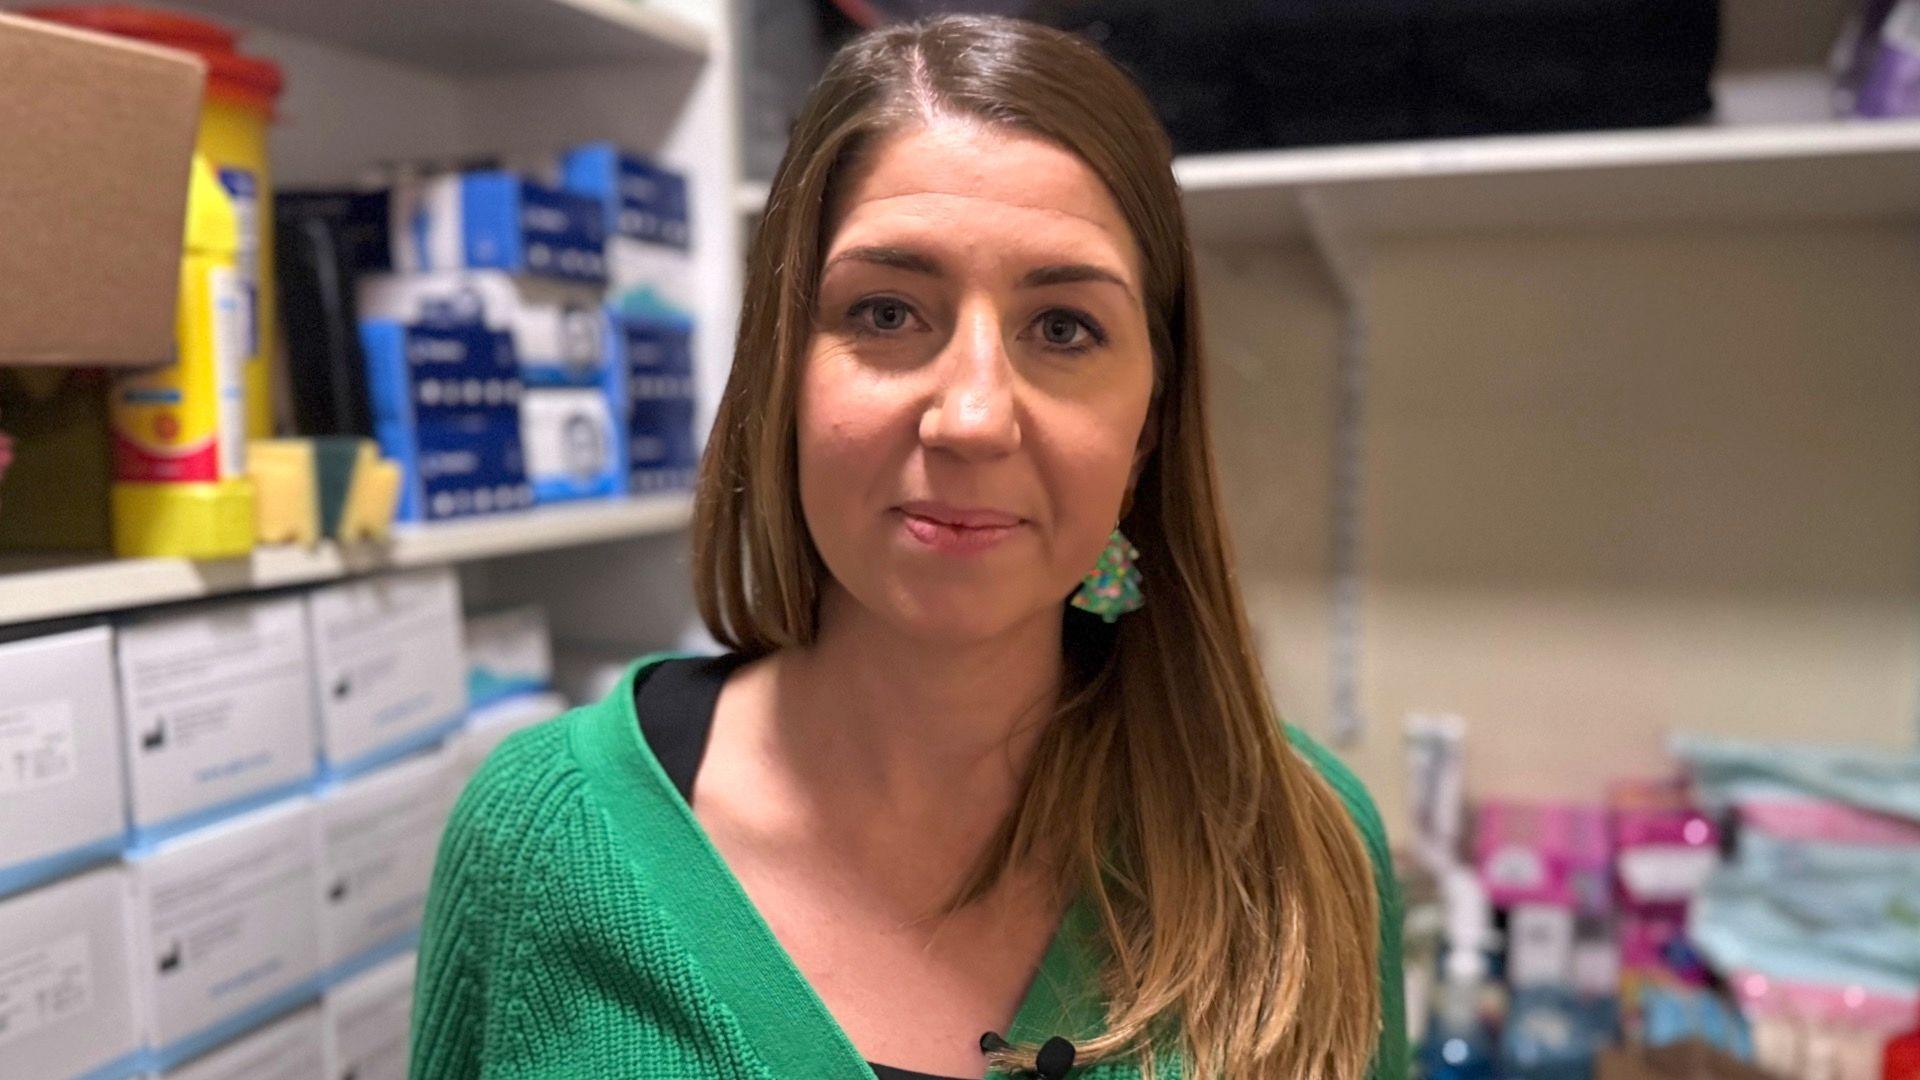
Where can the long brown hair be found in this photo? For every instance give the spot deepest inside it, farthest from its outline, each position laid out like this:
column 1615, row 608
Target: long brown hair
column 1233, row 891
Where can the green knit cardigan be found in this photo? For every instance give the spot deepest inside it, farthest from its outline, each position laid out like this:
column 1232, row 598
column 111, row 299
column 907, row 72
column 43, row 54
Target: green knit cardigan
column 581, row 925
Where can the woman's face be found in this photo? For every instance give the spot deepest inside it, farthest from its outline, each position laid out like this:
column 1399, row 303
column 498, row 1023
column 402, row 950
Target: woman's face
column 973, row 400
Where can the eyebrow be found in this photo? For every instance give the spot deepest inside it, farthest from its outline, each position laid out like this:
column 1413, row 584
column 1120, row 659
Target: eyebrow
column 915, row 262
column 894, row 257
column 1071, row 273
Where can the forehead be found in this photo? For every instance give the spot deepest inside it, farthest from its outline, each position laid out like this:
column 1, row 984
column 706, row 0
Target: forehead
column 971, row 177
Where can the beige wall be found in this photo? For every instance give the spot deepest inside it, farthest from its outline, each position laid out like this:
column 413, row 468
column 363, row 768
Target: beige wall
column 1615, row 486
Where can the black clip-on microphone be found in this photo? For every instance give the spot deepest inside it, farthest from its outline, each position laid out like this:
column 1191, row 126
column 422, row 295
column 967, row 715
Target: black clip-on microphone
column 1051, row 1063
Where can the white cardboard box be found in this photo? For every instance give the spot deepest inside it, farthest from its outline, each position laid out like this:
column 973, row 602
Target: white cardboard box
column 391, row 674
column 218, row 702
column 63, row 799
column 368, row 1021
column 379, row 834
column 488, row 728
column 291, row 1048
column 508, row 652
column 67, row 979
column 227, row 927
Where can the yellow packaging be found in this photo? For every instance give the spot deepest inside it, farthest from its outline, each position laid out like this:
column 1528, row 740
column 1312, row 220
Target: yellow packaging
column 179, row 430
column 233, row 136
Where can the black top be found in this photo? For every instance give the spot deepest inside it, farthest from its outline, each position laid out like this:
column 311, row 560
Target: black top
column 675, row 700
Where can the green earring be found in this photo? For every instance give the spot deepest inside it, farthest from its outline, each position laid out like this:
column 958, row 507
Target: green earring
column 1113, row 588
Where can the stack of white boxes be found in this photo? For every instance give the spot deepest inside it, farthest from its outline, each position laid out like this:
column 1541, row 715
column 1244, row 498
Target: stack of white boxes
column 218, row 823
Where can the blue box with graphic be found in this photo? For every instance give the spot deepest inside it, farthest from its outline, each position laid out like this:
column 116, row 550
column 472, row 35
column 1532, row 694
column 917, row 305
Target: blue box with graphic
column 661, row 451
column 641, row 199
column 446, row 405
column 498, row 221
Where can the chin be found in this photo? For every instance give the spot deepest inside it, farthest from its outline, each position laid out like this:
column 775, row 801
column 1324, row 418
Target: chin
column 951, row 614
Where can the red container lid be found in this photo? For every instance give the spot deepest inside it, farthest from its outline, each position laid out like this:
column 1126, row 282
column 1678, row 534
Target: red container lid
column 246, row 79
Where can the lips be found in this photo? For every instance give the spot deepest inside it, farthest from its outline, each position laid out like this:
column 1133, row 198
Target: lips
column 959, row 517
column 957, row 530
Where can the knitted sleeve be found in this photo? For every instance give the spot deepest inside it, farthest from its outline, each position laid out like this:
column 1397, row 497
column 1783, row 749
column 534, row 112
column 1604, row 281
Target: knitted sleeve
column 1390, row 1059
column 456, row 937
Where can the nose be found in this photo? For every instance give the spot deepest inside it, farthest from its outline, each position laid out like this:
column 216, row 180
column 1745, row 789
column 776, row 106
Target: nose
column 972, row 412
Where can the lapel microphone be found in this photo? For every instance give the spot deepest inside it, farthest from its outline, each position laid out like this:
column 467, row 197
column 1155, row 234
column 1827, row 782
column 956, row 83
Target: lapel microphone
column 1051, row 1063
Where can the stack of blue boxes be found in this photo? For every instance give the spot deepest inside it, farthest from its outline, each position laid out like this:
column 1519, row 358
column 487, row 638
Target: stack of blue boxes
column 650, row 302
column 584, row 287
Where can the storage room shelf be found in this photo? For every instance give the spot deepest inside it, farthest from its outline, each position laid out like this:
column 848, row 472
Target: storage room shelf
column 35, row 588
column 1838, row 171
column 473, row 37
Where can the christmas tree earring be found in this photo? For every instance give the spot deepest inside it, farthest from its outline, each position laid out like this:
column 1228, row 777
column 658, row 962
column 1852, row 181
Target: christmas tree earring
column 1113, row 588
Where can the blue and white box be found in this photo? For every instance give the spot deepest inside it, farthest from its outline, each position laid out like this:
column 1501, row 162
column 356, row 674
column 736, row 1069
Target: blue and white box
column 574, row 444
column 649, row 225
column 218, row 707
column 367, row 1021
column 226, row 929
column 497, row 220
column 378, row 836
column 509, row 652
column 67, row 981
column 388, row 668
column 446, row 405
column 63, row 802
column 290, row 1048
column 557, row 327
column 662, row 451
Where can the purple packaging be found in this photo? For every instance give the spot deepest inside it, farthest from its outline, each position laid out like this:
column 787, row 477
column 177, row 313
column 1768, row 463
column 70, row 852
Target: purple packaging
column 1890, row 81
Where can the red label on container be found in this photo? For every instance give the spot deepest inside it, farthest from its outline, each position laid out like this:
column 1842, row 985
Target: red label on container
column 133, row 463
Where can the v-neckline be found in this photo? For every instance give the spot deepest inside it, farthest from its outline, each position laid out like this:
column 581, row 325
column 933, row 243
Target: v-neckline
column 788, row 1023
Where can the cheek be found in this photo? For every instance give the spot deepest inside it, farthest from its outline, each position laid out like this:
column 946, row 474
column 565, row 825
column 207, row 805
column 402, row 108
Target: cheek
column 844, row 425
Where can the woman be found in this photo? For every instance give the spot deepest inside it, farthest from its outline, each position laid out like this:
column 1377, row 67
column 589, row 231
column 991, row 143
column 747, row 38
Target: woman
column 947, row 781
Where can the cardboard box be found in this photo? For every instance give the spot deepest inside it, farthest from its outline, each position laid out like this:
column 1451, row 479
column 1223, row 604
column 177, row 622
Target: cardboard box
column 368, row 1022
column 227, row 928
column 67, row 1004
column 575, row 446
column 392, row 677
column 488, row 728
column 98, row 135
column 379, row 834
column 291, row 1048
column 509, row 652
column 218, row 700
column 557, row 328
column 496, row 220
column 63, row 797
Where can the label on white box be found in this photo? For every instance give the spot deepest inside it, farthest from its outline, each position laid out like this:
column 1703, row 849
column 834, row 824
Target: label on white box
column 45, row 984
column 390, row 664
column 66, row 993
column 62, row 779
column 218, row 705
column 36, row 745
column 230, row 918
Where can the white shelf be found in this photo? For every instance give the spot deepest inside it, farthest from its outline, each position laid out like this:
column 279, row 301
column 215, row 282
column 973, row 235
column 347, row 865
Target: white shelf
column 480, row 37
column 35, row 588
column 1857, row 170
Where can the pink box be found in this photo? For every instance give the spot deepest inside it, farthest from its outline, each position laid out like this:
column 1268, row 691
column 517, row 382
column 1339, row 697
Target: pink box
column 1663, row 846
column 1543, row 853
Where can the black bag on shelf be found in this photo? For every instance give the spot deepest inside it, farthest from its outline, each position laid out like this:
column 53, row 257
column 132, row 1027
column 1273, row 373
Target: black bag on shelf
column 1247, row 74
column 322, row 242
